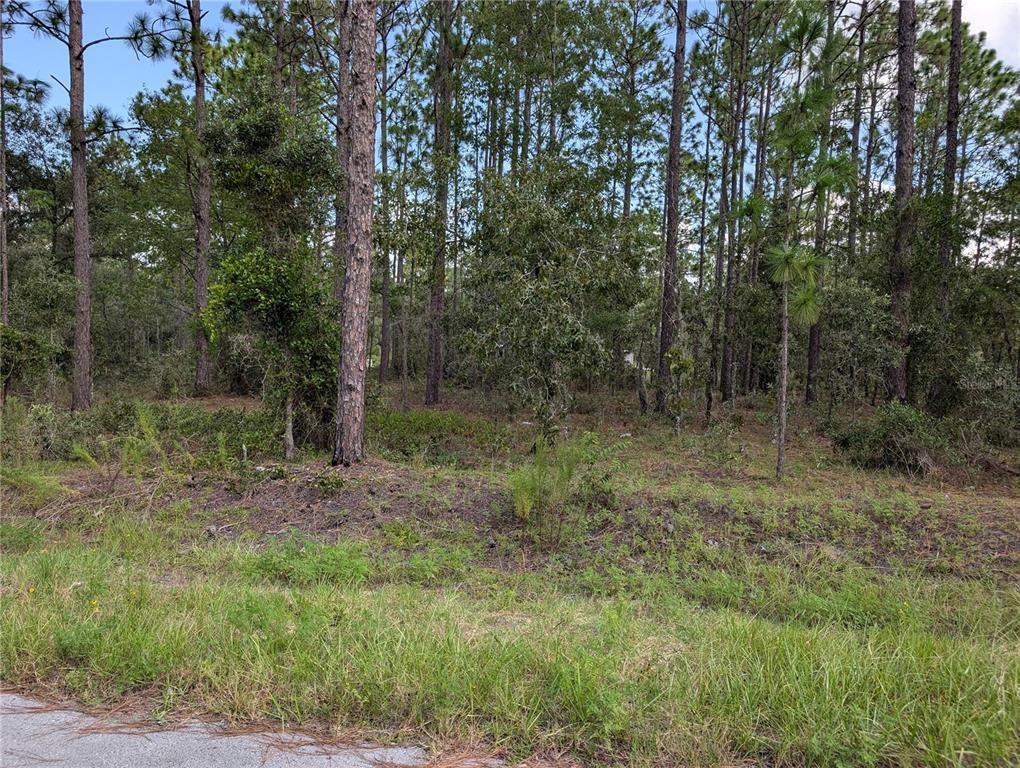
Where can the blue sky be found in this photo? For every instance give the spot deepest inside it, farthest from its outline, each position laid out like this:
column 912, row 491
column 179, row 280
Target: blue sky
column 113, row 74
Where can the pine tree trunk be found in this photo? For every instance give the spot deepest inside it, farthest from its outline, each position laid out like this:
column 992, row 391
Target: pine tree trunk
column 869, row 158
column 670, row 289
column 737, row 123
column 201, row 203
column 443, row 103
column 948, row 235
column 815, row 332
column 342, row 139
column 855, row 136
column 903, row 245
column 717, row 289
column 81, row 386
column 5, row 275
column 350, row 409
column 784, row 357
column 706, row 178
column 384, row 209
column 288, row 426
column 279, row 26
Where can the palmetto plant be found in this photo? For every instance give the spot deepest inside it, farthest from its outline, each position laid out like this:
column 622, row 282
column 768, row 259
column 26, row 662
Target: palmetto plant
column 797, row 267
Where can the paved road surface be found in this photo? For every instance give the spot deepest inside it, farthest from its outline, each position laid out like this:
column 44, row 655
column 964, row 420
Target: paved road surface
column 32, row 735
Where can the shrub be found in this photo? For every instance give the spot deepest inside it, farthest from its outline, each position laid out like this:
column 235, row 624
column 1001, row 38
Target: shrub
column 43, row 432
column 896, row 437
column 576, row 473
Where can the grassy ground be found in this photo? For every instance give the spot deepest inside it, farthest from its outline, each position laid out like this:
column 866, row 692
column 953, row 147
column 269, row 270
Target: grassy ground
column 672, row 605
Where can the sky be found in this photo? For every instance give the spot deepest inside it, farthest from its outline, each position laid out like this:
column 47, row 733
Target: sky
column 114, row 74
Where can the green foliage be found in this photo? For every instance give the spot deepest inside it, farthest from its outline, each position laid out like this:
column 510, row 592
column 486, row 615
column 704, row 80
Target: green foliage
column 679, row 398
column 548, row 264
column 34, row 487
column 437, row 436
column 896, row 437
column 576, row 473
column 23, row 355
column 859, row 333
column 143, row 429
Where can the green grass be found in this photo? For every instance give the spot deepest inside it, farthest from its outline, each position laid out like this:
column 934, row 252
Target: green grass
column 34, row 485
column 603, row 677
column 687, row 611
column 371, row 635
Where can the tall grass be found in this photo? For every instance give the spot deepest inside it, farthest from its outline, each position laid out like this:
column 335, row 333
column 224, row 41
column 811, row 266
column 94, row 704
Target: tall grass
column 605, row 678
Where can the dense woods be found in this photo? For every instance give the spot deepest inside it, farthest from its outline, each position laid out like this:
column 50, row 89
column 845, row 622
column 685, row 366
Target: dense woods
column 527, row 382
column 810, row 203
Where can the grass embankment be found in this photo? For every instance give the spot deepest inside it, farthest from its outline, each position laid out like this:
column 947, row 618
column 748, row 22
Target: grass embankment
column 704, row 620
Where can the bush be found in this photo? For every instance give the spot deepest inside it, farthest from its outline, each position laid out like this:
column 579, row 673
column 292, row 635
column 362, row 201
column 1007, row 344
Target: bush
column 43, row 432
column 575, row 474
column 896, row 437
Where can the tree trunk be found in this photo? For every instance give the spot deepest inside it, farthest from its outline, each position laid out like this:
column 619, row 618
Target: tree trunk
column 948, row 238
column 855, row 137
column 670, row 289
column 760, row 160
column 279, row 26
column 717, row 289
column 443, row 102
column 81, row 387
column 5, row 276
column 815, row 332
column 288, row 426
column 350, row 409
column 201, row 202
column 703, row 229
column 384, row 210
column 869, row 158
column 784, row 358
column 903, row 244
column 737, row 123
column 342, row 137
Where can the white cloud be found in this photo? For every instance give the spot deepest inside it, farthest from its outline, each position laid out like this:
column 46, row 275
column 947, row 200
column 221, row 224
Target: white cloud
column 1000, row 20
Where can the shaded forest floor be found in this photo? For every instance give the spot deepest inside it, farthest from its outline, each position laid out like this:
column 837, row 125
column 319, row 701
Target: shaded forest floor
column 688, row 611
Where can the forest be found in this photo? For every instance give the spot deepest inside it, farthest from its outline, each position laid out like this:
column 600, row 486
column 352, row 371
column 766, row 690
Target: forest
column 600, row 381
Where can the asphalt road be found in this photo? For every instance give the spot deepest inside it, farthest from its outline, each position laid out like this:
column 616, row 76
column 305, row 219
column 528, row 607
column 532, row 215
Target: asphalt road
column 32, row 734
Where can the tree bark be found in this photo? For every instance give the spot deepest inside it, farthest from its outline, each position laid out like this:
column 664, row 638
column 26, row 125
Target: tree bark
column 443, row 102
column 5, row 276
column 81, row 385
column 784, row 357
column 384, row 210
column 948, row 237
column 201, row 202
column 737, row 127
column 815, row 331
column 279, row 27
column 706, row 178
column 903, row 244
column 670, row 288
column 342, row 138
column 855, row 137
column 350, row 408
column 717, row 289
